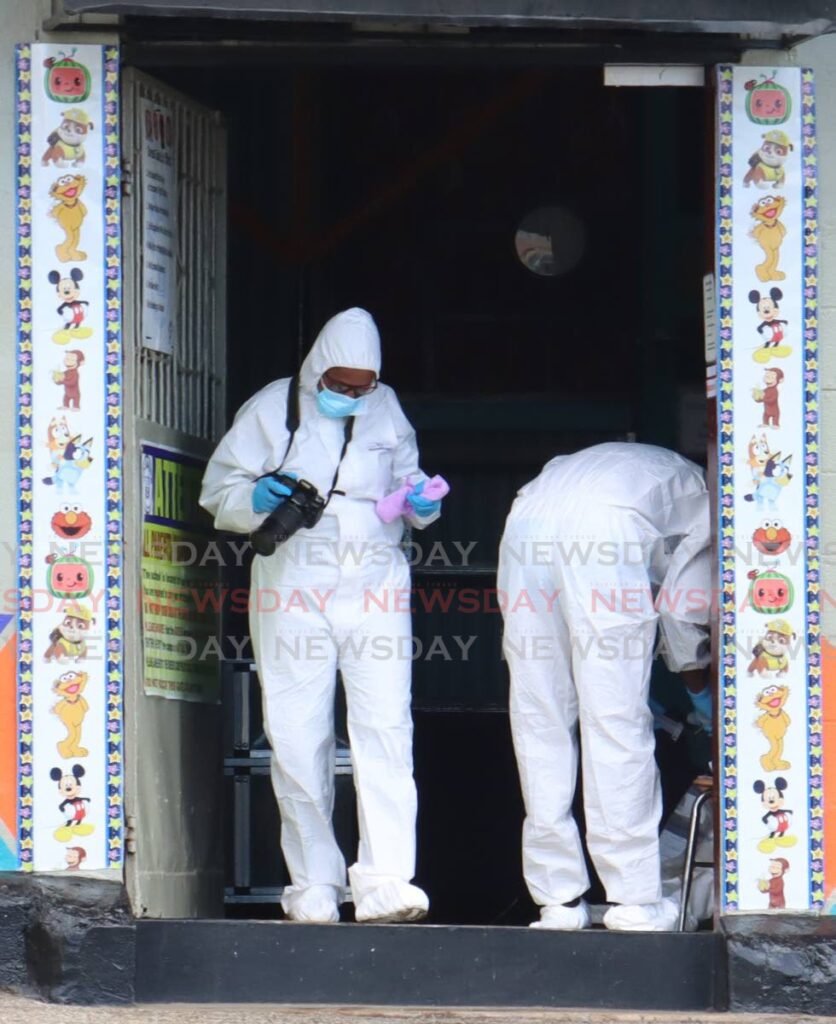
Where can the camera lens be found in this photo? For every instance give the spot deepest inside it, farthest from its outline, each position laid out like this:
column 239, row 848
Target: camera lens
column 303, row 507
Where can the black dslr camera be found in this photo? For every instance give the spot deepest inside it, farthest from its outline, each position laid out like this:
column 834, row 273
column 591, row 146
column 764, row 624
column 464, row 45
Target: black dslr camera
column 302, row 507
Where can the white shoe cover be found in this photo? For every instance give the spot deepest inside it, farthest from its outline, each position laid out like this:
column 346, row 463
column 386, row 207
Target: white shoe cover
column 315, row 905
column 391, row 902
column 564, row 919
column 643, row 917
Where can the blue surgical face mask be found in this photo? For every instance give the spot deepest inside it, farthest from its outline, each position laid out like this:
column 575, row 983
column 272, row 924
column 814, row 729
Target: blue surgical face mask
column 335, row 406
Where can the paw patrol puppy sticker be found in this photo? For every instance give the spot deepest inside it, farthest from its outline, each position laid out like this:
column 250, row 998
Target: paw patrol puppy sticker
column 71, row 708
column 70, row 212
column 770, row 592
column 73, row 805
column 771, row 327
column 777, row 816
column 773, row 723
column 766, row 164
column 769, row 233
column 771, row 654
column 68, row 641
column 68, row 576
column 66, row 143
column 768, row 396
column 73, row 308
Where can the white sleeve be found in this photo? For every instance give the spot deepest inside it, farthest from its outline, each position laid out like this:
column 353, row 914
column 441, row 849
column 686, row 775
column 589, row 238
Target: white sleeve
column 405, row 460
column 235, row 465
column 685, row 598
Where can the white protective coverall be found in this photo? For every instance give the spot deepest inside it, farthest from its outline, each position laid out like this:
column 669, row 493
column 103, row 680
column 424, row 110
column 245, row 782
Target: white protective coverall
column 335, row 596
column 587, row 546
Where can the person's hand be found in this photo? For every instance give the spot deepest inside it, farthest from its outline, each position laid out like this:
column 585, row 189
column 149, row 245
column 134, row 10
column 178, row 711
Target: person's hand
column 420, row 505
column 269, row 493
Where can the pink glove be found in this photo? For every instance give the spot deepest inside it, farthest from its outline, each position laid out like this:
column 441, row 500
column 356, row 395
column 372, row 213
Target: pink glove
column 395, row 504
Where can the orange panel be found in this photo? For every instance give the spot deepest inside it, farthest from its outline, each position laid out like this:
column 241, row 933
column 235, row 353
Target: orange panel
column 828, row 653
column 8, row 736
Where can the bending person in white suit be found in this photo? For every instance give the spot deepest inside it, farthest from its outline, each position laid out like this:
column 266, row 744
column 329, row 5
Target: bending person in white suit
column 603, row 547
column 326, row 599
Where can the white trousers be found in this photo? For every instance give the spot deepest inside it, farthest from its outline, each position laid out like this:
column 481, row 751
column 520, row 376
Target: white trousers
column 311, row 623
column 579, row 640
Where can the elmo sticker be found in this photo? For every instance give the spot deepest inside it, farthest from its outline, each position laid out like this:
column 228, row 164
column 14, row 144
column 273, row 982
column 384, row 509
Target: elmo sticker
column 71, row 522
column 772, row 537
column 66, row 81
column 770, row 592
column 68, row 576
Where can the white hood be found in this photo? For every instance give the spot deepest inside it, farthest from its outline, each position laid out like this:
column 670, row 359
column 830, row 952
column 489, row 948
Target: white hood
column 349, row 339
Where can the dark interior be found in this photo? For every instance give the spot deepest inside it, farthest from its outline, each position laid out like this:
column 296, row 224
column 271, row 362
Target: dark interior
column 401, row 190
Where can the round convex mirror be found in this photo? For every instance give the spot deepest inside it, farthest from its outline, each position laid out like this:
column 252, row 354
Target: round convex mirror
column 550, row 241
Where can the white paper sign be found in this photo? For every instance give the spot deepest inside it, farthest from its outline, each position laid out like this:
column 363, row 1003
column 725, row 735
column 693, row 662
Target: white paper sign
column 159, row 233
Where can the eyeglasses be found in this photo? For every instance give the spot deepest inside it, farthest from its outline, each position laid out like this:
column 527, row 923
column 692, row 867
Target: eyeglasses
column 347, row 389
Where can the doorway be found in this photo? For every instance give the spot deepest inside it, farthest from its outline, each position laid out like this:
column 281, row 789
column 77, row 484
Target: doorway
column 416, row 192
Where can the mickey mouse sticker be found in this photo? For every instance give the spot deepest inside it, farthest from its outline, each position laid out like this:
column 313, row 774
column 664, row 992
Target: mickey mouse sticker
column 73, row 806
column 771, row 327
column 776, row 816
column 72, row 308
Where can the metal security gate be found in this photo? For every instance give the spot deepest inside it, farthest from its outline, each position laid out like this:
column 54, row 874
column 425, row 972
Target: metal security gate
column 183, row 390
column 174, row 399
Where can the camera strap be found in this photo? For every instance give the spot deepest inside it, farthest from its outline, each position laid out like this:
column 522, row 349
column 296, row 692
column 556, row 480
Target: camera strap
column 348, row 431
column 291, row 422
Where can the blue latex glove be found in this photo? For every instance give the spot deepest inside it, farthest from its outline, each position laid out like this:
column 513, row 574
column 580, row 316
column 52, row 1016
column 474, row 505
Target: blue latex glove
column 269, row 494
column 703, row 706
column 422, row 506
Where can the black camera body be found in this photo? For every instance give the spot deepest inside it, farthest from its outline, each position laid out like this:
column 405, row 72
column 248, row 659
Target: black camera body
column 303, row 507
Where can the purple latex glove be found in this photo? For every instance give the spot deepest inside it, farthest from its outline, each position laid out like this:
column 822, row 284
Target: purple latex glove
column 403, row 501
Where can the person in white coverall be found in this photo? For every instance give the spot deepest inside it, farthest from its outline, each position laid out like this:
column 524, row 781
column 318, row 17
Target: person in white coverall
column 600, row 549
column 333, row 597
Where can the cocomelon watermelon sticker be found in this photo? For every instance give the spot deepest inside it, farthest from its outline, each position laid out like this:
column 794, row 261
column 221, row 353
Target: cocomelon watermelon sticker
column 767, row 101
column 67, row 80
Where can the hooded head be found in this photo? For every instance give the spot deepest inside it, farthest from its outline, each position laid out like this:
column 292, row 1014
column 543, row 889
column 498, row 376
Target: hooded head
column 349, row 339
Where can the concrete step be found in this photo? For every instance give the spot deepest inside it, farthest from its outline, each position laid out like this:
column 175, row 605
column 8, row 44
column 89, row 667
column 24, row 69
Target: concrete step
column 426, row 965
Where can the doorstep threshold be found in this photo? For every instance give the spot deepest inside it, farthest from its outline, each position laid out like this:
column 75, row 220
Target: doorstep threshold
column 427, row 965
